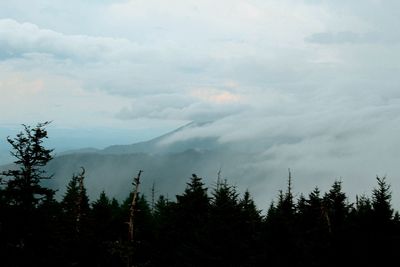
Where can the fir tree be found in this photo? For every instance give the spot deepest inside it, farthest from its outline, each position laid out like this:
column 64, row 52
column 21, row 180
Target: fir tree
column 250, row 213
column 335, row 207
column 77, row 234
column 75, row 205
column 102, row 215
column 194, row 203
column 225, row 227
column 23, row 185
column 190, row 222
column 23, row 194
column 381, row 201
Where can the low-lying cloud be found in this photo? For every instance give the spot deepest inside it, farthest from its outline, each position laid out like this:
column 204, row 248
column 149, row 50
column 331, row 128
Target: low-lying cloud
column 311, row 85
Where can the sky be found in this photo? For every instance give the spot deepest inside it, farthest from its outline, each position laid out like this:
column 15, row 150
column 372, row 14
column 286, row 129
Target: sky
column 324, row 74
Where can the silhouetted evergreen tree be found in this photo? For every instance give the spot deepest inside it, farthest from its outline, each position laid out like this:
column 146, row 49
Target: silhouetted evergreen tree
column 385, row 236
column 190, row 225
column 363, row 211
column 195, row 230
column 280, row 229
column 336, row 212
column 250, row 214
column 250, row 229
column 142, row 249
column 23, row 185
column 76, row 226
column 165, row 231
column 312, row 227
column 106, row 227
column 227, row 240
column 73, row 203
column 381, row 201
column 335, row 207
column 102, row 212
column 23, row 193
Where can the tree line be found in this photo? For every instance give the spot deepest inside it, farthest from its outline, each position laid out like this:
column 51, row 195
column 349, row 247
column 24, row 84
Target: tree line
column 200, row 227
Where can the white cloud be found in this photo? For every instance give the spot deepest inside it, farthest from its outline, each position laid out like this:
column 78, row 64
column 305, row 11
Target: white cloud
column 19, row 39
column 310, row 84
column 31, row 96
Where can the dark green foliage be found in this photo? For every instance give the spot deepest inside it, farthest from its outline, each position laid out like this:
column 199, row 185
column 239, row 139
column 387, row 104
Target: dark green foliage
column 224, row 228
column 381, row 198
column 71, row 207
column 189, row 233
column 280, row 227
column 335, row 207
column 363, row 211
column 25, row 202
column 141, row 248
column 313, row 229
column 23, row 188
column 249, row 212
column 75, row 224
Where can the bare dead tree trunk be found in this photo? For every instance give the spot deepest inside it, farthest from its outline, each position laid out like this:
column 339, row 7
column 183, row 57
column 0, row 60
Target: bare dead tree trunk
column 79, row 200
column 219, row 179
column 132, row 212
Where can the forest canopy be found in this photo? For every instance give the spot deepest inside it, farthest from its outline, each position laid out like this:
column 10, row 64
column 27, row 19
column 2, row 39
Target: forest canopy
column 202, row 226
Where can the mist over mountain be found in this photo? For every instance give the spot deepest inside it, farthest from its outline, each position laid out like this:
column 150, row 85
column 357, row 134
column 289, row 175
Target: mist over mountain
column 259, row 164
column 166, row 165
column 167, row 162
column 251, row 165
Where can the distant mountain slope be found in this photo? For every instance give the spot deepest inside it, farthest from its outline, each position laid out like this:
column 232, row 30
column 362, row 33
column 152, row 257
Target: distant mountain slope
column 167, row 165
column 156, row 146
column 114, row 172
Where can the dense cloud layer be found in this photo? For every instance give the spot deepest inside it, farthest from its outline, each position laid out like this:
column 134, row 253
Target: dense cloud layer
column 311, row 85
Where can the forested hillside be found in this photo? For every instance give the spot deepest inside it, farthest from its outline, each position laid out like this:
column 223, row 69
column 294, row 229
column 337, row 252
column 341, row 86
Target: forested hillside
column 202, row 226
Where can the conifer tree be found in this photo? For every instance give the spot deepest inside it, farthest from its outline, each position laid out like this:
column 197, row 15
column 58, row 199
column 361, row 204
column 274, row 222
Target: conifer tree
column 141, row 249
column 164, row 231
column 190, row 221
column 225, row 226
column 314, row 211
column 250, row 213
column 312, row 228
column 194, row 203
column 381, row 201
column 335, row 207
column 23, row 185
column 250, row 230
column 22, row 195
column 102, row 215
column 101, row 208
column 77, row 235
column 363, row 209
column 285, row 205
column 75, row 204
column 280, row 228
column 160, row 208
column 385, row 237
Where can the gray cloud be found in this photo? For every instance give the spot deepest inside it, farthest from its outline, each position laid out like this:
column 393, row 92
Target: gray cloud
column 204, row 107
column 348, row 37
column 311, row 85
column 19, row 39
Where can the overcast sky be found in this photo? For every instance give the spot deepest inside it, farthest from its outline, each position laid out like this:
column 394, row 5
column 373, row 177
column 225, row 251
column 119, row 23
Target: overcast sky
column 324, row 74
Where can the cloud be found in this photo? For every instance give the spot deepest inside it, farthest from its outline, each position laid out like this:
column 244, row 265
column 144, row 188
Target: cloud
column 31, row 96
column 215, row 96
column 348, row 37
column 196, row 105
column 311, row 85
column 21, row 39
